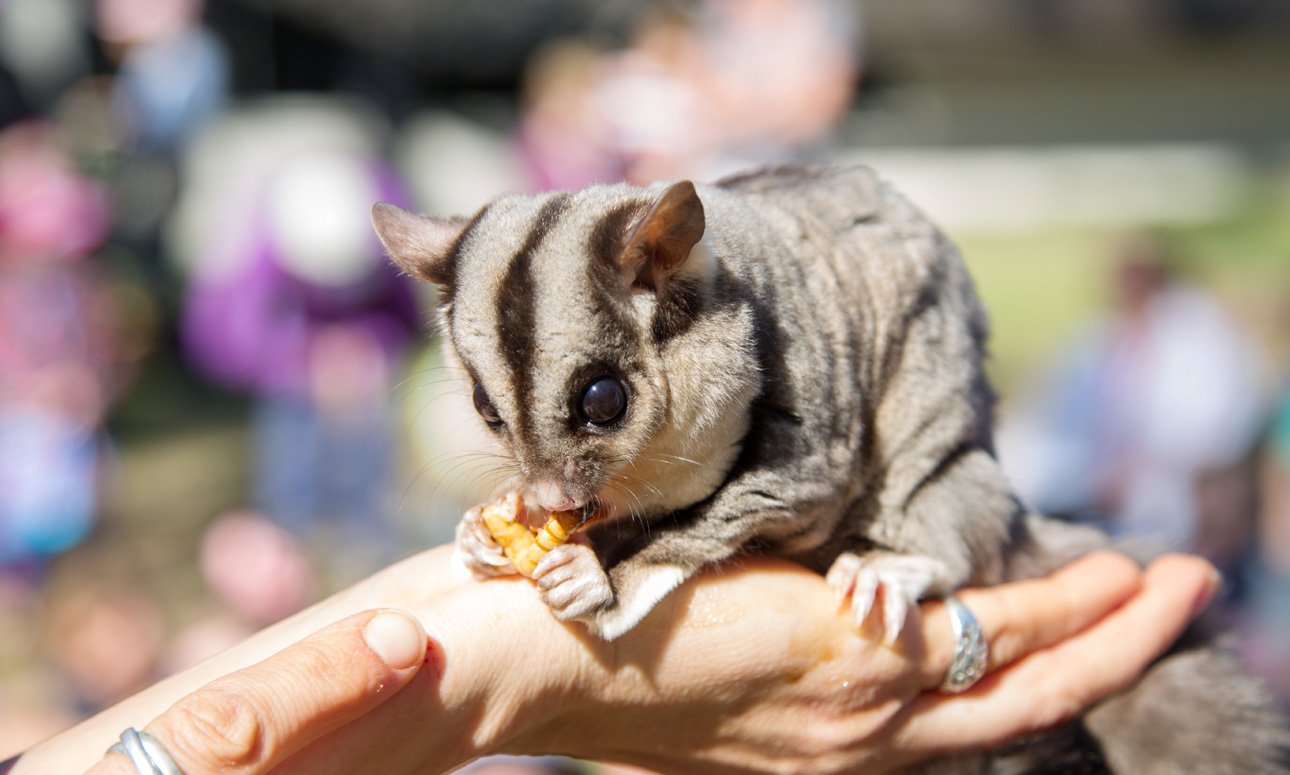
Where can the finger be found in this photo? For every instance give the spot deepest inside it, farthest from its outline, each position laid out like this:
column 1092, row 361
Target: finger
column 1022, row 617
column 248, row 721
column 1053, row 685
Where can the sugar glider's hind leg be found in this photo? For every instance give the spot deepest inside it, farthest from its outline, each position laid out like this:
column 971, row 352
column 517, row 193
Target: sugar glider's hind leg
column 951, row 531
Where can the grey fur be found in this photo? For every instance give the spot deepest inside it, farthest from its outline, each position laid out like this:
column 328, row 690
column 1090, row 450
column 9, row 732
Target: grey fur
column 807, row 382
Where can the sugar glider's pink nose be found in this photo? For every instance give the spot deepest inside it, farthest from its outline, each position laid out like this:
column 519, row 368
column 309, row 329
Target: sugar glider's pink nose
column 552, row 497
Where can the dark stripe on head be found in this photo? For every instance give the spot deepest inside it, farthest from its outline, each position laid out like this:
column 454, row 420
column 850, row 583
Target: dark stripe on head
column 606, row 243
column 453, row 256
column 609, row 239
column 678, row 308
column 687, row 298
column 517, row 313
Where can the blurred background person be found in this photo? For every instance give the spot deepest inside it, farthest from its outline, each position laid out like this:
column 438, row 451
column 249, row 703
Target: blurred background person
column 780, row 76
column 173, row 72
column 294, row 303
column 562, row 139
column 1144, row 414
column 62, row 362
column 655, row 99
column 59, row 364
column 257, row 572
column 697, row 91
column 106, row 636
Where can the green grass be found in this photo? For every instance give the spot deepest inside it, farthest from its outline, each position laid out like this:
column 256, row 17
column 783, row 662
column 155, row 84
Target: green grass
column 1041, row 287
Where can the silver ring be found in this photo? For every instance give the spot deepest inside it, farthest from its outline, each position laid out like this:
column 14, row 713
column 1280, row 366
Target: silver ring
column 146, row 753
column 971, row 652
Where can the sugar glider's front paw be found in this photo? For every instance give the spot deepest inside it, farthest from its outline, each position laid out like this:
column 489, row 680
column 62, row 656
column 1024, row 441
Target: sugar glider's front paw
column 902, row 579
column 476, row 548
column 573, row 583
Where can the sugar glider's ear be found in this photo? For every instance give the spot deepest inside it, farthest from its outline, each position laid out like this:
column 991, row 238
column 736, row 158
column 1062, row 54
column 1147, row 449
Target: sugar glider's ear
column 662, row 240
column 420, row 245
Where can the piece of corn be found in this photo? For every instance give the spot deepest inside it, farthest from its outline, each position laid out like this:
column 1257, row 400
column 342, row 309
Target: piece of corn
column 525, row 548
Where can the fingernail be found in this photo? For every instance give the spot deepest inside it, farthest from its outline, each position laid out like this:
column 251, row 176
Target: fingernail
column 396, row 638
column 1208, row 594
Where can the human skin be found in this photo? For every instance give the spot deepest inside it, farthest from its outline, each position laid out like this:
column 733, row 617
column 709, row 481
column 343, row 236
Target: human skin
column 752, row 667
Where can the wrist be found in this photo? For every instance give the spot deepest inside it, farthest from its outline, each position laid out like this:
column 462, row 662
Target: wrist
column 508, row 667
column 513, row 674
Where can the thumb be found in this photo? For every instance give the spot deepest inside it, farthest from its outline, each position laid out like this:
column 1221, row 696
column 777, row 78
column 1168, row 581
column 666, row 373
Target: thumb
column 249, row 721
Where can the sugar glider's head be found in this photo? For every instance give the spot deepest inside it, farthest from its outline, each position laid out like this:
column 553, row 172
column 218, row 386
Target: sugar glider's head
column 597, row 351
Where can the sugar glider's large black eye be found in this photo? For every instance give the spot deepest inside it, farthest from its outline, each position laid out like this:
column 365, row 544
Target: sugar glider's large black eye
column 485, row 407
column 603, row 401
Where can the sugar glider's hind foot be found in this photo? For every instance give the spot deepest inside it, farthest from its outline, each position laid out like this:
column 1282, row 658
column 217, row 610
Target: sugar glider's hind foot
column 901, row 580
column 1195, row 711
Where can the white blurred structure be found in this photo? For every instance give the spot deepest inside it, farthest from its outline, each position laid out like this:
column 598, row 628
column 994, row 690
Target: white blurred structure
column 1016, row 189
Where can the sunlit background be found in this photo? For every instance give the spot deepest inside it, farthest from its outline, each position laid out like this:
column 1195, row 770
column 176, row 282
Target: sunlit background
column 218, row 403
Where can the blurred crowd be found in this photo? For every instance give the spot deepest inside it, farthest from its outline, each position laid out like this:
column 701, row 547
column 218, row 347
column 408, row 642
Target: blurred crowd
column 152, row 210
column 166, row 229
column 745, row 82
column 1162, row 423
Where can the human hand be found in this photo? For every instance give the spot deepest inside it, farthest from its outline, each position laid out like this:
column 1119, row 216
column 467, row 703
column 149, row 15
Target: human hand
column 251, row 720
column 744, row 669
column 755, row 670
